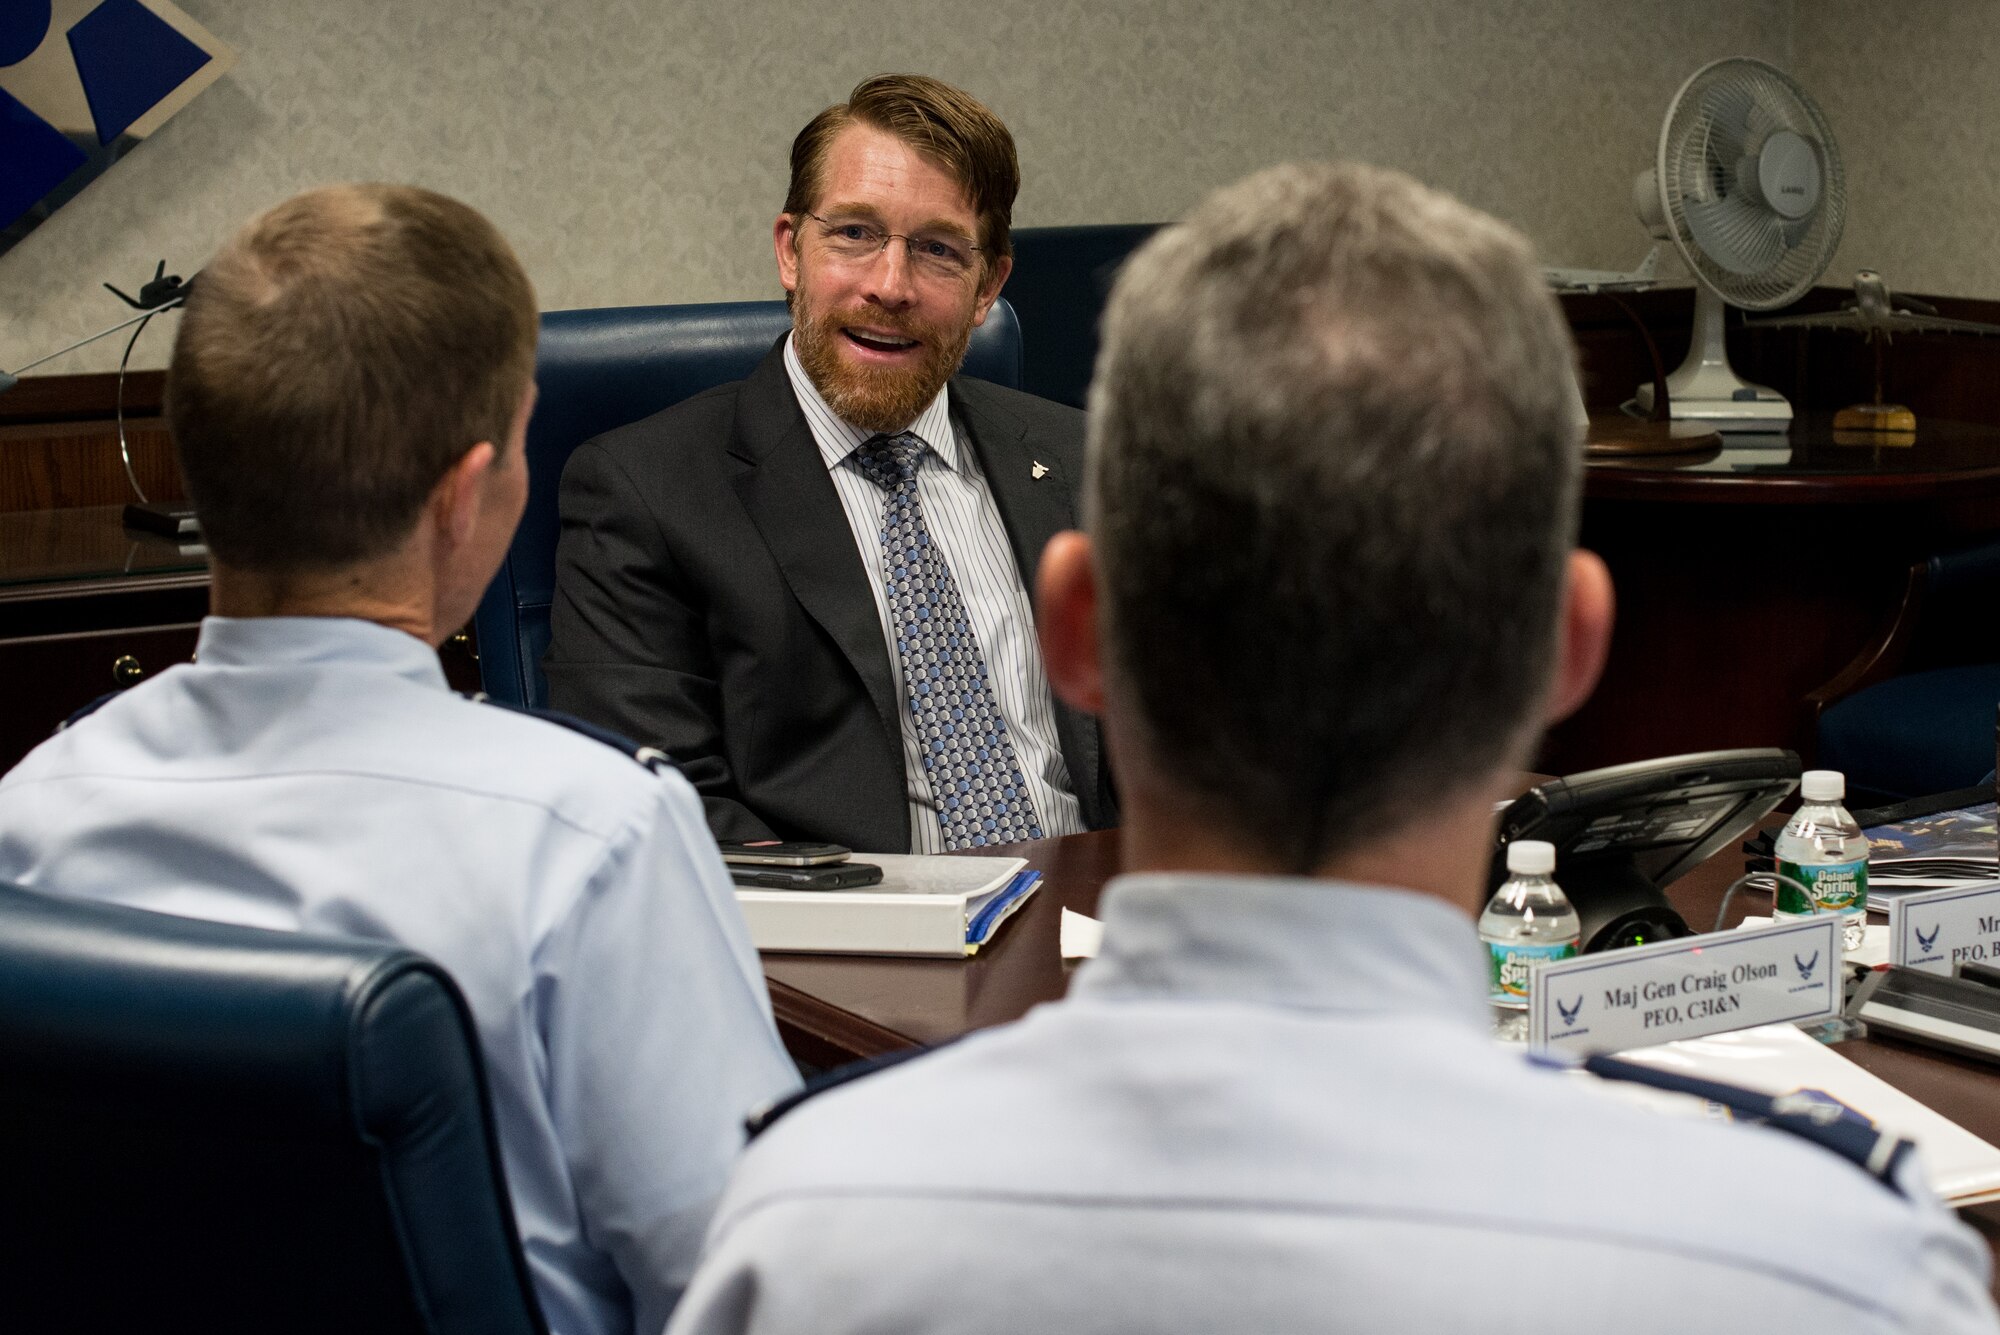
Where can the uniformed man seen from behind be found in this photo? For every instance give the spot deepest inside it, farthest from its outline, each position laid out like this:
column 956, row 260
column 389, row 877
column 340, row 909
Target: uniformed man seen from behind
column 1328, row 600
column 349, row 394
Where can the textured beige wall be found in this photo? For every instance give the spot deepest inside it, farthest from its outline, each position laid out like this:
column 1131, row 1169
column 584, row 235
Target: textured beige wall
column 636, row 152
column 1911, row 91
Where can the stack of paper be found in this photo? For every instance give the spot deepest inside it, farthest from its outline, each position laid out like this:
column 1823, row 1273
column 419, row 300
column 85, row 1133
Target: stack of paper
column 923, row 906
column 1780, row 1059
column 1082, row 935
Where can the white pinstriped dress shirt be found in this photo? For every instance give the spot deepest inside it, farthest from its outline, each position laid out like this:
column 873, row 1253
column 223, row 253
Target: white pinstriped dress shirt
column 961, row 516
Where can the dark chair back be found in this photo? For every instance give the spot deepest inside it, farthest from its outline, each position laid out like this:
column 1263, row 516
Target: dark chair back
column 1913, row 713
column 599, row 369
column 1061, row 278
column 210, row 1127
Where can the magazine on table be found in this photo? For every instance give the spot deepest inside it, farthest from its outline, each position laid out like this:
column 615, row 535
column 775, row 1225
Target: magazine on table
column 1950, row 840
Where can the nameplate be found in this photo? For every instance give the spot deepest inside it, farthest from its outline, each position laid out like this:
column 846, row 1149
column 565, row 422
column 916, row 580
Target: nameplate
column 1936, row 930
column 1687, row 988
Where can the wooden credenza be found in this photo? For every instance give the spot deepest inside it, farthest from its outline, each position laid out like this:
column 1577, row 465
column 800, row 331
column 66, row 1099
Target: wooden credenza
column 86, row 609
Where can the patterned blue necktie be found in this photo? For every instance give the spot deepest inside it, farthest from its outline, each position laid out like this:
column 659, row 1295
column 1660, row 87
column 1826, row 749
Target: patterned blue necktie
column 975, row 777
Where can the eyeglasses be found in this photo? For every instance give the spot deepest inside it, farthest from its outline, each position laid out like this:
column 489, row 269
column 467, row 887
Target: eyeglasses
column 940, row 255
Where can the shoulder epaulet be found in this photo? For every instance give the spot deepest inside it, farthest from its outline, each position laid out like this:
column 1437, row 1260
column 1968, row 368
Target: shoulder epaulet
column 1819, row 1118
column 89, row 709
column 652, row 757
column 760, row 1121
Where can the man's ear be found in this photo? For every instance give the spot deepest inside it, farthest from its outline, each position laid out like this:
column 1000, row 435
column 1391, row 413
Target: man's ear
column 1588, row 610
column 1066, row 621
column 989, row 287
column 456, row 498
column 785, row 241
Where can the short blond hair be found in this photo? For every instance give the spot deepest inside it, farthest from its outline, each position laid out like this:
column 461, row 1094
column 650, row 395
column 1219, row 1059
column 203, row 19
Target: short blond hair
column 342, row 351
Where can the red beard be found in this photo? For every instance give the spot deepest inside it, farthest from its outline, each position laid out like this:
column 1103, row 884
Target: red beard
column 884, row 399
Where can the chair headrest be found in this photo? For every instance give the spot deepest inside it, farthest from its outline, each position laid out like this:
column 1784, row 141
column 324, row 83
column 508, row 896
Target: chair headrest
column 220, row 1102
column 1061, row 280
column 94, row 993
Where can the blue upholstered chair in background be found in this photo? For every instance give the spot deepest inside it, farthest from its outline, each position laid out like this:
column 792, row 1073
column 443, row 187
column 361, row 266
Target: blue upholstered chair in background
column 210, row 1127
column 1061, row 278
column 1914, row 713
column 599, row 369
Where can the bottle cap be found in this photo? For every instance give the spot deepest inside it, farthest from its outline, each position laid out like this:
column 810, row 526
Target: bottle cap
column 1823, row 785
column 1531, row 857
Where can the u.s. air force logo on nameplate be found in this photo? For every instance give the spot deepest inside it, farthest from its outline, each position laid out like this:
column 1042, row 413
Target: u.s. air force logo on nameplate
column 1687, row 988
column 1938, row 930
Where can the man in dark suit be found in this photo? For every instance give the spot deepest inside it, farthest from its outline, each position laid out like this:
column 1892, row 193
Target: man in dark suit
column 810, row 587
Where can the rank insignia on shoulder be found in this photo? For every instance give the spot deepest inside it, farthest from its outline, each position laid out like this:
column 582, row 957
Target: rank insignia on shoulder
column 760, row 1121
column 1806, row 1113
column 89, row 709
column 651, row 757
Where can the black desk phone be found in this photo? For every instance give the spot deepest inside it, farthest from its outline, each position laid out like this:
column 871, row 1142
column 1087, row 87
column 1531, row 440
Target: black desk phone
column 1625, row 832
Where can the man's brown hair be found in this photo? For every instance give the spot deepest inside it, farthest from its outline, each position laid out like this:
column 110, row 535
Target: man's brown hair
column 334, row 360
column 947, row 125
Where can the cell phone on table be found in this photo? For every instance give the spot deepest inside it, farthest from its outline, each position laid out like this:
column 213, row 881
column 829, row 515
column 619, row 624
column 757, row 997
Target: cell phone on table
column 782, row 853
column 840, row 876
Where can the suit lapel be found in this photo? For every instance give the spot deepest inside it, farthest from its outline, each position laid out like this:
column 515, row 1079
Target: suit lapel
column 1032, row 509
column 789, row 497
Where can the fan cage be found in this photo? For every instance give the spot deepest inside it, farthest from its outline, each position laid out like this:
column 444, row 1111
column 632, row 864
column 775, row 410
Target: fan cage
column 1720, row 109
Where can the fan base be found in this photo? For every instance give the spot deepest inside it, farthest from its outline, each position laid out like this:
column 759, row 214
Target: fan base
column 1627, row 436
column 1875, row 424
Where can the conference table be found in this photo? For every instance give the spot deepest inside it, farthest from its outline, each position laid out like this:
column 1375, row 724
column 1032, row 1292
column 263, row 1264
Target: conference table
column 837, row 1008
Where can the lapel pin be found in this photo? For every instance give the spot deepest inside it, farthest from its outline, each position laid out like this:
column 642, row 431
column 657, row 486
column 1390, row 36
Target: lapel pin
column 1039, row 471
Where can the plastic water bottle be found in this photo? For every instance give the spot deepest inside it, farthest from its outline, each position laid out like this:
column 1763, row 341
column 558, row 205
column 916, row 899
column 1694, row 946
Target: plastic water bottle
column 1527, row 923
column 1823, row 850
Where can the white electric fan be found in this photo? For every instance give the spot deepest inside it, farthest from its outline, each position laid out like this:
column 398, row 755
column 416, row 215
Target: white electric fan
column 1748, row 186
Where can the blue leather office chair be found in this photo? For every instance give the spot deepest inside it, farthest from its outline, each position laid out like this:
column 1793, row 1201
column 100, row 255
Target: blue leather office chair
column 1914, row 713
column 1061, row 278
column 599, row 369
column 210, row 1127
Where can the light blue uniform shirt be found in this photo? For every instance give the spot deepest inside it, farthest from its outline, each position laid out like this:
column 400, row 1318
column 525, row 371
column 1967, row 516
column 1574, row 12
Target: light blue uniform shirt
column 317, row 774
column 1273, row 1105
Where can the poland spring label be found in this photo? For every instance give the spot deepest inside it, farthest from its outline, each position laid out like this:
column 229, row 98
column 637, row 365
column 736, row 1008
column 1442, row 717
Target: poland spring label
column 1837, row 887
column 1512, row 967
